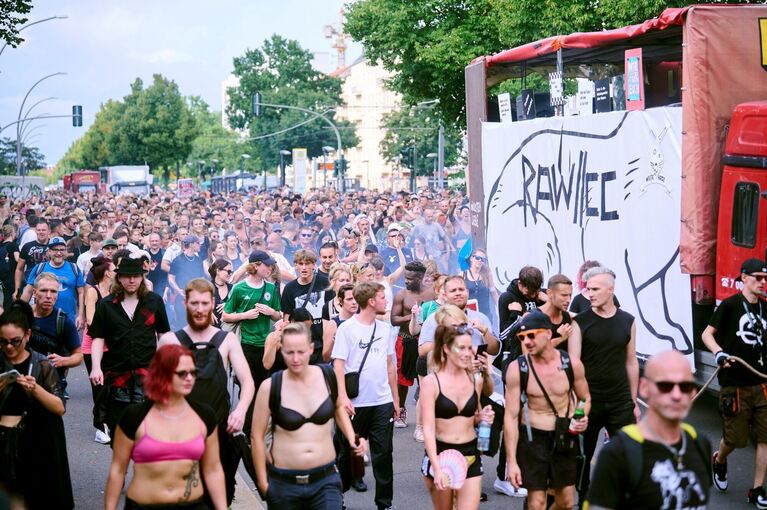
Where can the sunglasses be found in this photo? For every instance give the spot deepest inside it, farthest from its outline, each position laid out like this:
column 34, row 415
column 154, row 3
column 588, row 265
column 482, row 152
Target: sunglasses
column 668, row 386
column 759, row 278
column 226, row 270
column 183, row 374
column 15, row 342
column 306, row 235
column 480, row 259
column 529, row 335
column 464, row 329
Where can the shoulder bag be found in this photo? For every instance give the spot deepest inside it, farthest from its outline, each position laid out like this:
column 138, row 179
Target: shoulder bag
column 352, row 379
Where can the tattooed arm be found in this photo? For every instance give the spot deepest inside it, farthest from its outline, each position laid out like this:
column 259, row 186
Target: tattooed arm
column 213, row 472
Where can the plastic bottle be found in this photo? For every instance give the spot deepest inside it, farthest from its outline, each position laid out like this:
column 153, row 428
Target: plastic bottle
column 358, row 462
column 483, row 436
column 580, row 412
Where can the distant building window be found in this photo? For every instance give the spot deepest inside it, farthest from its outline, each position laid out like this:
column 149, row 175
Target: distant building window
column 745, row 208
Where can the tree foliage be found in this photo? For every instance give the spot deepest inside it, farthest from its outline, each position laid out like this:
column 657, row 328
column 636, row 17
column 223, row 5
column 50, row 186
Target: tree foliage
column 282, row 72
column 31, row 157
column 427, row 44
column 152, row 126
column 11, row 19
column 417, row 127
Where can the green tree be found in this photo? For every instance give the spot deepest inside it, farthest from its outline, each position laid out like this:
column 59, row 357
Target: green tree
column 11, row 19
column 428, row 43
column 417, row 127
column 282, row 72
column 31, row 157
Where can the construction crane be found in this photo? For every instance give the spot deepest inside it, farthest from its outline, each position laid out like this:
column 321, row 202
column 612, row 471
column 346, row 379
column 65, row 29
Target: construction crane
column 336, row 32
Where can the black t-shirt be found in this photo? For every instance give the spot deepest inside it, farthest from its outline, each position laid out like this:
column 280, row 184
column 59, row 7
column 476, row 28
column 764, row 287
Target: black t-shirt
column 134, row 414
column 580, row 303
column 566, row 319
column 8, row 261
column 741, row 334
column 603, row 353
column 661, row 484
column 294, row 296
column 157, row 276
column 131, row 343
column 32, row 254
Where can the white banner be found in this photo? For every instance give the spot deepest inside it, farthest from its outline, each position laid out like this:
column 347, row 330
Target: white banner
column 600, row 187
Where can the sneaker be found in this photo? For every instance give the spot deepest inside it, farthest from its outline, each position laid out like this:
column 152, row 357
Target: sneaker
column 418, row 434
column 504, row 487
column 401, row 422
column 102, row 436
column 720, row 474
column 756, row 496
column 359, row 485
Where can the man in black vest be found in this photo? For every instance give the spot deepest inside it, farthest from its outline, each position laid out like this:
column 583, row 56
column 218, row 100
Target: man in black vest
column 200, row 334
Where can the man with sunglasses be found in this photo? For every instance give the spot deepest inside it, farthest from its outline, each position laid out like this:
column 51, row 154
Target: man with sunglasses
column 737, row 328
column 660, row 462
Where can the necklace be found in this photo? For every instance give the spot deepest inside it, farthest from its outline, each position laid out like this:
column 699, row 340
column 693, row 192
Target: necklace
column 677, row 454
column 187, row 257
column 173, row 416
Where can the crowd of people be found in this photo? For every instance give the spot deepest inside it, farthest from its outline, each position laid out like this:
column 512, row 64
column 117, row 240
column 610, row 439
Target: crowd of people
column 326, row 309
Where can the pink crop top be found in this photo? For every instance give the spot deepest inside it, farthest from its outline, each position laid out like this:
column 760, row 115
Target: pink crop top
column 149, row 449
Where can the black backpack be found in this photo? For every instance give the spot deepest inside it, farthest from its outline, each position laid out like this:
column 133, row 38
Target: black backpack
column 43, row 343
column 275, row 393
column 210, row 388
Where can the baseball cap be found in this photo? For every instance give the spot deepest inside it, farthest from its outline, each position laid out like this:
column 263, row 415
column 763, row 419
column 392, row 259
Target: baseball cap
column 261, row 256
column 750, row 266
column 276, row 227
column 535, row 320
column 56, row 241
column 189, row 239
column 371, row 248
column 109, row 242
column 394, row 226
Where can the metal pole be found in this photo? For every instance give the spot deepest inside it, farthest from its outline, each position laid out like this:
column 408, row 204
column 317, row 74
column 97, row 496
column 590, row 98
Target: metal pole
column 20, row 121
column 33, row 23
column 441, row 156
column 282, row 170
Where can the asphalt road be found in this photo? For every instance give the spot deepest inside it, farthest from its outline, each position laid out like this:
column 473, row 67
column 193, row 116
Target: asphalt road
column 89, row 462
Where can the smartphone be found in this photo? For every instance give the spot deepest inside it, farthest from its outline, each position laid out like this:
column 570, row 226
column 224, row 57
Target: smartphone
column 481, row 349
column 10, row 376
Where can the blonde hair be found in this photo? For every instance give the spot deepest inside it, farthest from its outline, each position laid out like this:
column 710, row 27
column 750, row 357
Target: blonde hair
column 336, row 269
column 451, row 311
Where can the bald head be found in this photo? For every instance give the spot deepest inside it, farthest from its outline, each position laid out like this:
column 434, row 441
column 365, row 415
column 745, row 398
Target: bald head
column 665, row 364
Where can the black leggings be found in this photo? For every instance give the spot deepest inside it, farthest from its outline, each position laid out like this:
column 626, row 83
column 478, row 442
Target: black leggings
column 99, row 398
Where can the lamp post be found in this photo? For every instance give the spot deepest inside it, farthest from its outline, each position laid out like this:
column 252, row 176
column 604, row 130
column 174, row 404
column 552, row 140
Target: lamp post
column 35, row 23
column 440, row 144
column 326, row 151
column 243, row 157
column 435, row 157
column 283, row 153
column 20, row 121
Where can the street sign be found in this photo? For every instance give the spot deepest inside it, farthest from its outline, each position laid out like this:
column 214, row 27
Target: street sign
column 556, row 89
column 504, row 107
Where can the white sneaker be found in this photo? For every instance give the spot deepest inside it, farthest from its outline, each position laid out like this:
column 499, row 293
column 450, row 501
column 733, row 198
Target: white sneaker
column 418, row 434
column 102, row 436
column 504, row 487
column 401, row 422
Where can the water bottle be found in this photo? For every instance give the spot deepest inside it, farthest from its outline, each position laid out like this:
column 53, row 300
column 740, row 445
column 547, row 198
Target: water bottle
column 580, row 412
column 483, row 436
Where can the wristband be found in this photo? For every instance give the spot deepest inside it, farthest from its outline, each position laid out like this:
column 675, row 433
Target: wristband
column 721, row 358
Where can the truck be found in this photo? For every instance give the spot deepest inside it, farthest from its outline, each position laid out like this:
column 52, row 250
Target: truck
column 122, row 179
column 82, row 181
column 671, row 194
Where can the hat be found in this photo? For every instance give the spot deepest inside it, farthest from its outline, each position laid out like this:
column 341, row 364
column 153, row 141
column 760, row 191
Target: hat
column 394, row 226
column 109, row 242
column 261, row 256
column 189, row 239
column 130, row 266
column 276, row 227
column 750, row 266
column 56, row 241
column 371, row 248
column 535, row 320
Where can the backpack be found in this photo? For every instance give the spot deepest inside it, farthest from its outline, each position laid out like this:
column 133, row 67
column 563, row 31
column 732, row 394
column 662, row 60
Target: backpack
column 39, row 269
column 43, row 343
column 275, row 392
column 210, row 388
column 631, row 440
column 524, row 371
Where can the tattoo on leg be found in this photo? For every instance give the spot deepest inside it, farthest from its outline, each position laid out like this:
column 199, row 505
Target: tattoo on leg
column 192, row 481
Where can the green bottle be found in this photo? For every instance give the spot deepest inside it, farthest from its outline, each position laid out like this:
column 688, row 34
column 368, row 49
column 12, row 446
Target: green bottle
column 580, row 412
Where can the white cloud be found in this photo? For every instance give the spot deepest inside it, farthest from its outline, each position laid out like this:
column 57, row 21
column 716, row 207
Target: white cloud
column 162, row 56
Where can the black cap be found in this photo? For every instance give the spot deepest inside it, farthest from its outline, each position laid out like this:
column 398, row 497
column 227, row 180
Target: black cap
column 261, row 256
column 130, row 266
column 535, row 320
column 752, row 266
column 371, row 248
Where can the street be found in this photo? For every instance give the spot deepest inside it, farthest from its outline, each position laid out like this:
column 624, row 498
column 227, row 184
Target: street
column 89, row 462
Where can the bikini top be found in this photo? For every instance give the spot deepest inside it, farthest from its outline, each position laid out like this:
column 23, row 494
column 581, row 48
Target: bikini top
column 445, row 408
column 290, row 419
column 149, row 449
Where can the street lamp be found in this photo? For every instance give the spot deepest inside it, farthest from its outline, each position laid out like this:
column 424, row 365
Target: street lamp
column 243, row 157
column 440, row 144
column 19, row 121
column 326, row 151
column 35, row 23
column 435, row 157
column 283, row 153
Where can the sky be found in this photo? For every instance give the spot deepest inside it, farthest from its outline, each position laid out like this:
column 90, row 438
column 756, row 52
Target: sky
column 104, row 45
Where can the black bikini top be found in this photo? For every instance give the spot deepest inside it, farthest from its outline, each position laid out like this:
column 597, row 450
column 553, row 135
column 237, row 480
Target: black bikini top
column 445, row 408
column 291, row 420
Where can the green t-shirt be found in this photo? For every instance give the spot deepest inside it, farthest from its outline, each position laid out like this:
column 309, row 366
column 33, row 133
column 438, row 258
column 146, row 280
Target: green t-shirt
column 245, row 297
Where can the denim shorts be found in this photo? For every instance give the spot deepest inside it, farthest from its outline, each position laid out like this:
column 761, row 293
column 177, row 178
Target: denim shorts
column 322, row 494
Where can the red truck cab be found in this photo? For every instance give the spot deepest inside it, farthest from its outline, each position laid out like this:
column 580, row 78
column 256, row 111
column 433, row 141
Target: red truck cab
column 742, row 227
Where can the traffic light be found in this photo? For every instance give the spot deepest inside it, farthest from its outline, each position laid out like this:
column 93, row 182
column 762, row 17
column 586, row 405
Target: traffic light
column 257, row 104
column 339, row 169
column 77, row 115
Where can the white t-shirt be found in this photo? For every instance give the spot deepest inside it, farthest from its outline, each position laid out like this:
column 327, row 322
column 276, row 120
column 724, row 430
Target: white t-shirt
column 351, row 341
column 430, row 327
column 173, row 251
column 84, row 261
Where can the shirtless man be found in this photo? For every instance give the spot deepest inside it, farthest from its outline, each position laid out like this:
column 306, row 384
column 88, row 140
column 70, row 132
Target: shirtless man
column 407, row 302
column 534, row 453
column 199, row 313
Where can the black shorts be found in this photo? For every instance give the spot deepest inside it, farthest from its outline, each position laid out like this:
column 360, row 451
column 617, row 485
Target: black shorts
column 541, row 467
column 469, row 450
column 422, row 367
